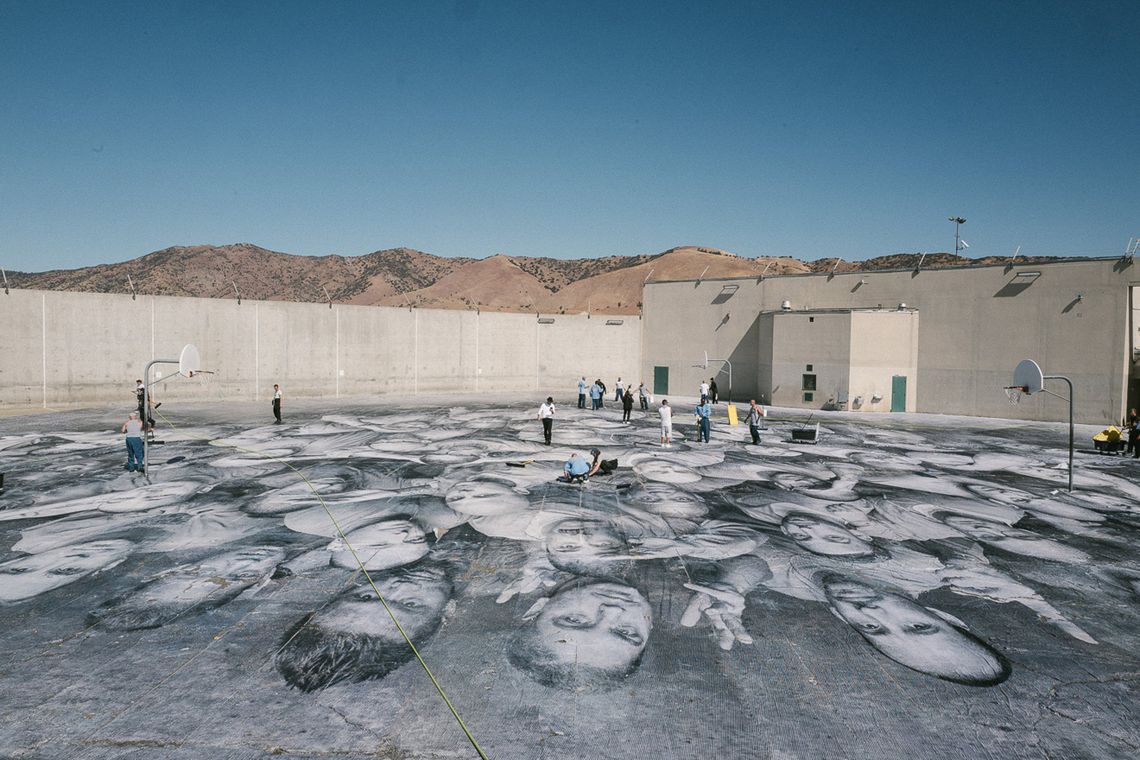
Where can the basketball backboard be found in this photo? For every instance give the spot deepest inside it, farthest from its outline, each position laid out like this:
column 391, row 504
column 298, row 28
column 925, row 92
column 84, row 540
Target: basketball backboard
column 1028, row 375
column 189, row 361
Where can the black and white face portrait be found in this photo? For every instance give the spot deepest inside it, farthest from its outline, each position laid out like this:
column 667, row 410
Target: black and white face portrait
column 587, row 635
column 485, row 497
column 28, row 576
column 820, row 536
column 915, row 636
column 380, row 546
column 190, row 589
column 356, row 639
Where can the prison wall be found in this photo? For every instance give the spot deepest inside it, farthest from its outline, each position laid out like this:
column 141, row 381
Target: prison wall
column 64, row 349
column 1073, row 318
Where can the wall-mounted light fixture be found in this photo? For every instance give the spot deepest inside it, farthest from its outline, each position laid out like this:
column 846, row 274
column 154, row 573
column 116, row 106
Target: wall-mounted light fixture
column 729, row 289
column 615, row 321
column 546, row 320
column 1026, row 277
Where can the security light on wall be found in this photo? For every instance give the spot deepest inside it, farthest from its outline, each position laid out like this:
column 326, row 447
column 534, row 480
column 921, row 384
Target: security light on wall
column 729, row 289
column 615, row 321
column 1026, row 277
column 546, row 320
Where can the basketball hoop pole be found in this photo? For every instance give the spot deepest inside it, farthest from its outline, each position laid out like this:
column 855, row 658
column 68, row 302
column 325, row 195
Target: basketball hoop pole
column 1070, row 400
column 146, row 411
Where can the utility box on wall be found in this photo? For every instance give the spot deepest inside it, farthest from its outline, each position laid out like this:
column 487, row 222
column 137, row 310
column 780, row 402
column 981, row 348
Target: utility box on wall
column 840, row 358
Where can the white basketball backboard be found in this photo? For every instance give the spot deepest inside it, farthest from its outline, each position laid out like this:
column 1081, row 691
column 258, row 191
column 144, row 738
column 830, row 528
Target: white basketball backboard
column 1029, row 376
column 189, row 361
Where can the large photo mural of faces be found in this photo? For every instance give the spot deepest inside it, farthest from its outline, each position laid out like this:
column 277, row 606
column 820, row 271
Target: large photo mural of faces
column 433, row 580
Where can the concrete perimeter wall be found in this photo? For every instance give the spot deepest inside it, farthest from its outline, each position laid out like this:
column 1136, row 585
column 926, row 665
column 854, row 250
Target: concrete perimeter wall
column 976, row 324
column 59, row 348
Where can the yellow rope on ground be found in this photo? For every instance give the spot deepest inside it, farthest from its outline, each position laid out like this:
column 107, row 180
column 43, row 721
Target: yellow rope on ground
column 360, row 564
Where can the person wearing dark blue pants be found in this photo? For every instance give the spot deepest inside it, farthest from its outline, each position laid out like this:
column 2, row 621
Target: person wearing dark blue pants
column 704, row 412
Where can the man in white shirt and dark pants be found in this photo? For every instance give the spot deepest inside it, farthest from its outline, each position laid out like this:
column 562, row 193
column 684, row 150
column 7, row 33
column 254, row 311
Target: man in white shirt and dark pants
column 666, row 413
column 546, row 414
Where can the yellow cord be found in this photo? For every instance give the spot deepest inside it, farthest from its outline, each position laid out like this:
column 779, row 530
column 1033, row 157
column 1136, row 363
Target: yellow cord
column 360, row 564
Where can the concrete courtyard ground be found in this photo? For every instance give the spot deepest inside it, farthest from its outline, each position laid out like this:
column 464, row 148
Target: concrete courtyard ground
column 910, row 586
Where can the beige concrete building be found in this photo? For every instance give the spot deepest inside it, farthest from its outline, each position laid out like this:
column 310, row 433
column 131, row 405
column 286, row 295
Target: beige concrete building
column 940, row 341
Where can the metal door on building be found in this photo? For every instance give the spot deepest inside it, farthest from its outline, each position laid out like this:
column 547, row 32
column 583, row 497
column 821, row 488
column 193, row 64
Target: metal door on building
column 898, row 393
column 660, row 380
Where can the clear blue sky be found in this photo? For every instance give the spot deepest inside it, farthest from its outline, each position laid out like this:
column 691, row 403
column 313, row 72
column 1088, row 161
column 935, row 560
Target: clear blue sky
column 567, row 129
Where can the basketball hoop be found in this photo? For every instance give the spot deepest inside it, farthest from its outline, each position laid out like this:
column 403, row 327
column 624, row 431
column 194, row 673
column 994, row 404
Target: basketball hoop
column 1015, row 392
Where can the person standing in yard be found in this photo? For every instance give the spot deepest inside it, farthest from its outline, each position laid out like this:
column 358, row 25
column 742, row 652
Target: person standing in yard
column 704, row 413
column 582, row 392
column 704, row 392
column 133, row 428
column 546, row 414
column 626, row 405
column 714, row 393
column 755, row 414
column 666, row 413
column 596, row 395
column 620, row 390
column 643, row 395
column 277, row 396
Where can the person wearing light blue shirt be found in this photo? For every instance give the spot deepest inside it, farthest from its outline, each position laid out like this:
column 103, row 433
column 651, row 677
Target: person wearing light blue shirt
column 704, row 412
column 596, row 395
column 582, row 393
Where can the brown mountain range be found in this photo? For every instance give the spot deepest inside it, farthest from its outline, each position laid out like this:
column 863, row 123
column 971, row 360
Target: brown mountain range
column 406, row 277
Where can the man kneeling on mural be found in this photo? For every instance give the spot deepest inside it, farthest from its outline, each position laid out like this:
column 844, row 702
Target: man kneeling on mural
column 355, row 639
column 921, row 638
column 189, row 589
column 577, row 470
column 587, row 635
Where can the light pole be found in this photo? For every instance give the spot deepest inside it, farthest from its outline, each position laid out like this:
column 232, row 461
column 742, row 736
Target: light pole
column 958, row 222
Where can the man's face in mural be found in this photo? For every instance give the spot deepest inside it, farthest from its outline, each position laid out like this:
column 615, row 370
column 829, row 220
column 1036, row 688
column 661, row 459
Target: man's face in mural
column 584, row 537
column 1013, row 539
column 190, row 584
column 666, row 500
column 823, row 537
column 382, row 545
column 603, row 625
column 480, row 497
column 912, row 635
column 417, row 598
column 663, row 471
column 1002, row 495
column 790, row 481
column 34, row 574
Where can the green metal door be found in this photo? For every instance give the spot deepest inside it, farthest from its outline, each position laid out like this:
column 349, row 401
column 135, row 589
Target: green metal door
column 898, row 393
column 660, row 380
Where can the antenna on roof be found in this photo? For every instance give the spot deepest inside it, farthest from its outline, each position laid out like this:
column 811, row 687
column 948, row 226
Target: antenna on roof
column 5, row 275
column 647, row 276
column 1009, row 264
column 131, row 283
column 236, row 291
column 1129, row 250
column 702, row 274
column 766, row 267
column 327, row 296
column 918, row 266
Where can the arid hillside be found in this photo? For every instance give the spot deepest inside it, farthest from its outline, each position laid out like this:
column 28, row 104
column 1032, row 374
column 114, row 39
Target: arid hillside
column 406, row 277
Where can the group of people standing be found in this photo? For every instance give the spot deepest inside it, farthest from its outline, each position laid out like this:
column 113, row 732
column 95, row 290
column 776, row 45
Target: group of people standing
column 623, row 394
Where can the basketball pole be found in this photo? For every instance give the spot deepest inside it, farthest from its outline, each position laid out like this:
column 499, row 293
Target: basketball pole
column 1070, row 400
column 146, row 411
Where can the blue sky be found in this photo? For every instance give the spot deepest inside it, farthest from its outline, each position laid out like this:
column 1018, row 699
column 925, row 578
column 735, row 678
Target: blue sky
column 567, row 129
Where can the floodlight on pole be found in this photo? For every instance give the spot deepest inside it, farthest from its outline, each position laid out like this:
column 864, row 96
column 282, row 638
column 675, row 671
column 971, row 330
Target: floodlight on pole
column 958, row 222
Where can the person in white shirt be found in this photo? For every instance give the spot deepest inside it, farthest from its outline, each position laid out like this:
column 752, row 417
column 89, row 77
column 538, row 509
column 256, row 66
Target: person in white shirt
column 546, row 414
column 277, row 403
column 582, row 386
column 704, row 391
column 666, row 413
column 619, row 390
